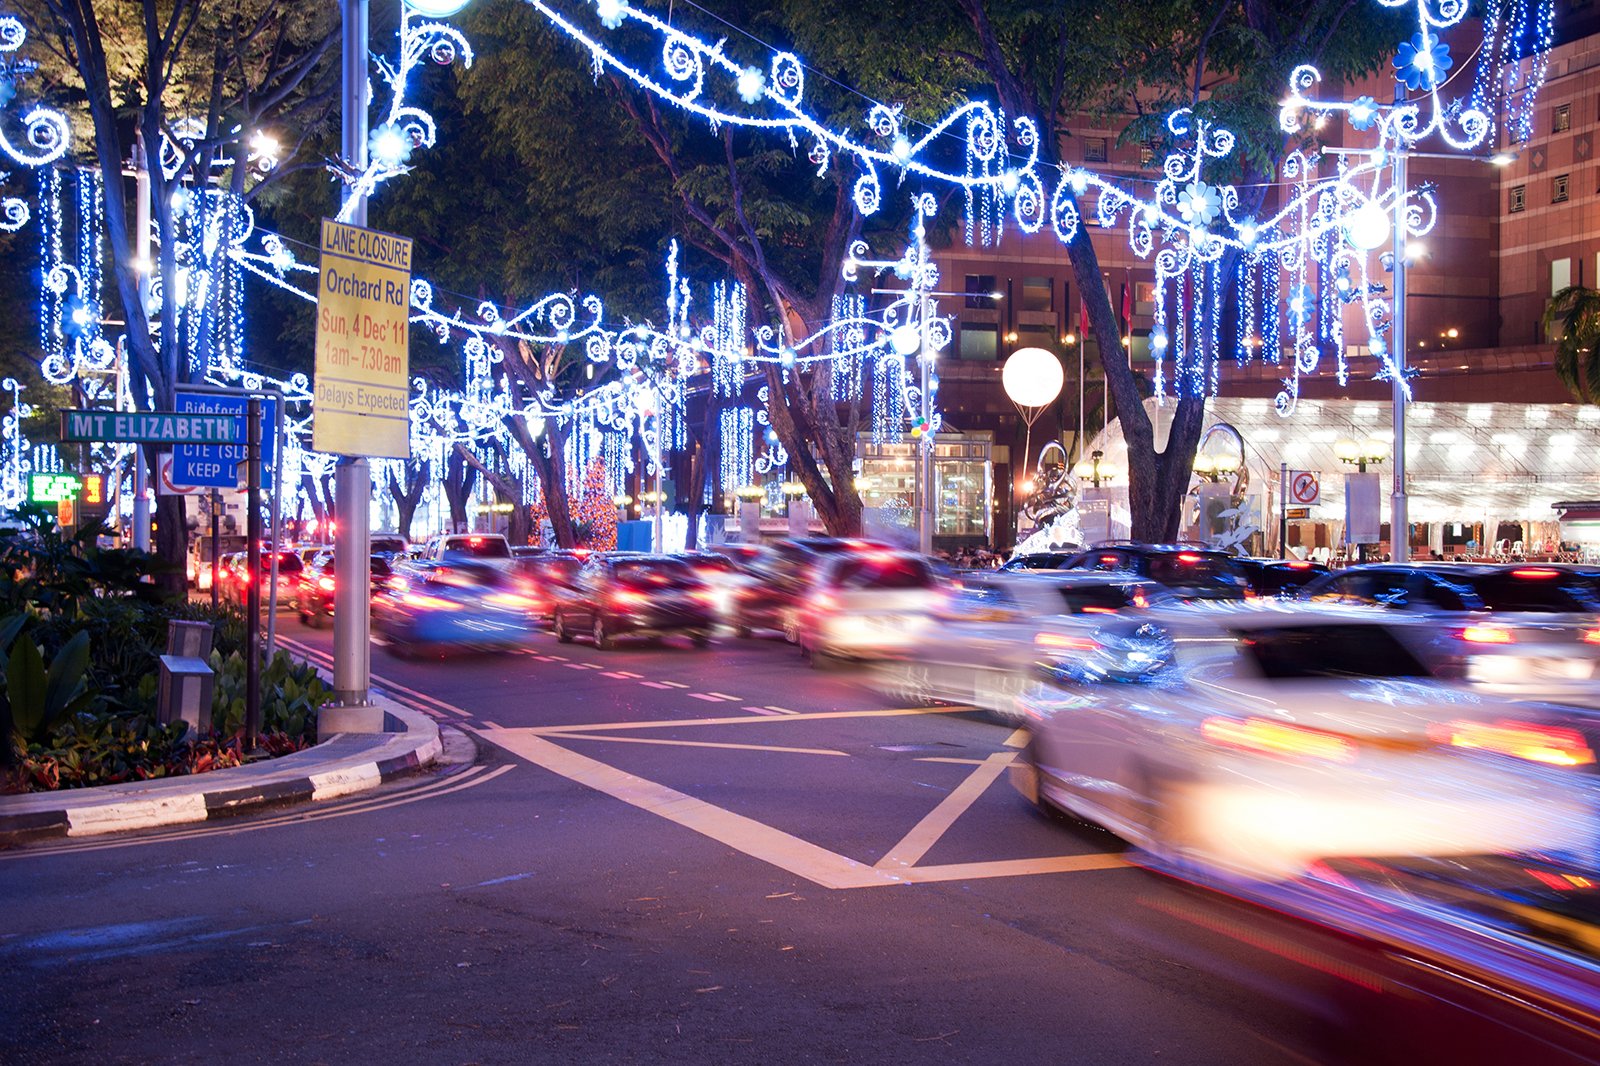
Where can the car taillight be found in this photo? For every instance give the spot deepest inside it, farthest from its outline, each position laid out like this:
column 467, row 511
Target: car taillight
column 1549, row 744
column 628, row 598
column 823, row 601
column 1099, row 610
column 1536, row 573
column 510, row 599
column 1485, row 633
column 325, row 584
column 1263, row 737
column 1591, row 636
column 1299, row 566
column 1189, row 557
column 704, row 595
column 244, row 577
column 1140, row 600
column 1064, row 642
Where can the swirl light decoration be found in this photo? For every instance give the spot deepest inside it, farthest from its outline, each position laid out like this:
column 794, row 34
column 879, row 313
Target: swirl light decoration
column 700, row 78
column 1191, row 229
column 45, row 135
column 404, row 127
column 1344, row 218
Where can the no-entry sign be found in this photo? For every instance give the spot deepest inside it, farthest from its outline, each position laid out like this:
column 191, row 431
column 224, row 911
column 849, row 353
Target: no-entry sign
column 1305, row 487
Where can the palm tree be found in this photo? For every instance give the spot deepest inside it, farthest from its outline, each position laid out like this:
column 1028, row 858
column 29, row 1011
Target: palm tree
column 1572, row 320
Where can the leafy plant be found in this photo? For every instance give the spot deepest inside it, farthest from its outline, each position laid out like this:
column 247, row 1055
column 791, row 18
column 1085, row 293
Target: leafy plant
column 40, row 697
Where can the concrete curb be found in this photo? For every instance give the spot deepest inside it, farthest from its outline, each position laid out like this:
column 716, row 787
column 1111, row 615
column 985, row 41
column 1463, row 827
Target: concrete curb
column 344, row 764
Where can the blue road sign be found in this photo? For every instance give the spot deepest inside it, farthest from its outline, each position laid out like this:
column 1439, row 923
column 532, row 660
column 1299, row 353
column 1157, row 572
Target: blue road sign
column 217, row 465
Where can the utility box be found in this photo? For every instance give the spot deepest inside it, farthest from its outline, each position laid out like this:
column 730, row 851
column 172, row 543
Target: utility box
column 186, row 681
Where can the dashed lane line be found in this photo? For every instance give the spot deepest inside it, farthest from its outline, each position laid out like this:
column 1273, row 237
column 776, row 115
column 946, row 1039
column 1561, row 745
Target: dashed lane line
column 674, row 684
column 551, row 730
column 761, row 710
column 700, row 744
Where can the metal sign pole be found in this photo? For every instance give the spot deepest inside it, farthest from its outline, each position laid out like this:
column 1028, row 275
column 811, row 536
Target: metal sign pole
column 1283, row 510
column 276, row 520
column 252, row 621
column 216, row 541
column 352, row 575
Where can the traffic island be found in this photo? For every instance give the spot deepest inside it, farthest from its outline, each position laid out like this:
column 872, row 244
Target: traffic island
column 342, row 764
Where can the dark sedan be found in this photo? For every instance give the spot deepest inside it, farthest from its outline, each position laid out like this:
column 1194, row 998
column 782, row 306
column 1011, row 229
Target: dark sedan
column 636, row 595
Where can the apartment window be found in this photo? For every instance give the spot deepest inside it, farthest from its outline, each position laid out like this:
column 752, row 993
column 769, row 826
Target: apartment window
column 1094, row 149
column 1563, row 119
column 980, row 291
column 1147, row 156
column 1519, row 198
column 1559, row 186
column 979, row 343
column 1036, row 293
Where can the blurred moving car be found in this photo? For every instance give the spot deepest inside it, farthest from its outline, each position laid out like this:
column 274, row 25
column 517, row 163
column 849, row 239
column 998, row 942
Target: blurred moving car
column 1525, row 629
column 724, row 577
column 1039, row 561
column 618, row 595
column 429, row 606
column 1257, row 741
column 781, row 578
column 199, row 568
column 387, row 544
column 1281, row 578
column 1191, row 572
column 449, row 547
column 313, row 600
column 983, row 646
column 552, row 577
column 869, row 605
column 237, row 579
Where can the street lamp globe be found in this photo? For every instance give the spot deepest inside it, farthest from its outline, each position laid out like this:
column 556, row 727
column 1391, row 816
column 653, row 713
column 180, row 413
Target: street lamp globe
column 1032, row 377
column 906, row 339
column 436, row 9
column 1367, row 227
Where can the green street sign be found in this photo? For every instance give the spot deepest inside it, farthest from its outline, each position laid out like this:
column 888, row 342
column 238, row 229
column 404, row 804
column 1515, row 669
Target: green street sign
column 149, row 427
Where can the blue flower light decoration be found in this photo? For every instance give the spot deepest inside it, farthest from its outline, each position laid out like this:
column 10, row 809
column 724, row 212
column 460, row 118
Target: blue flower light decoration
column 390, row 145
column 1302, row 305
column 1363, row 112
column 1422, row 62
column 1199, row 203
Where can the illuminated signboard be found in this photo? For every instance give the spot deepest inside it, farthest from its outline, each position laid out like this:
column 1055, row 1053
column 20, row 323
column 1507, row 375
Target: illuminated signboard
column 52, row 488
column 92, row 500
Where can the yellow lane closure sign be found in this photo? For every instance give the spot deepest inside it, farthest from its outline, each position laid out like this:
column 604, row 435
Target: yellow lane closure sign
column 362, row 386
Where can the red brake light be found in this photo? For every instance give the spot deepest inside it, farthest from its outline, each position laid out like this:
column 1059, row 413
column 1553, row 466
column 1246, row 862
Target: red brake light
column 1263, row 737
column 1140, row 600
column 1298, row 565
column 1534, row 572
column 628, row 598
column 1108, row 559
column 1189, row 557
column 1486, row 634
column 1099, row 610
column 474, row 541
column 1064, row 642
column 1591, row 636
column 325, row 584
column 1553, row 745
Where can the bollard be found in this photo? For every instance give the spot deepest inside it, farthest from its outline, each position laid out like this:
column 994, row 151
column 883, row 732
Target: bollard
column 186, row 679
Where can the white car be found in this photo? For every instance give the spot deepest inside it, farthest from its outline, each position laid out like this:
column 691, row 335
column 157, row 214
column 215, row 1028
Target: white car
column 868, row 605
column 1258, row 741
column 983, row 646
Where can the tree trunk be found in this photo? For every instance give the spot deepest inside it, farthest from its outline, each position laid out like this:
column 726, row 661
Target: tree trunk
column 408, row 497
column 171, row 541
column 508, row 489
column 459, row 479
